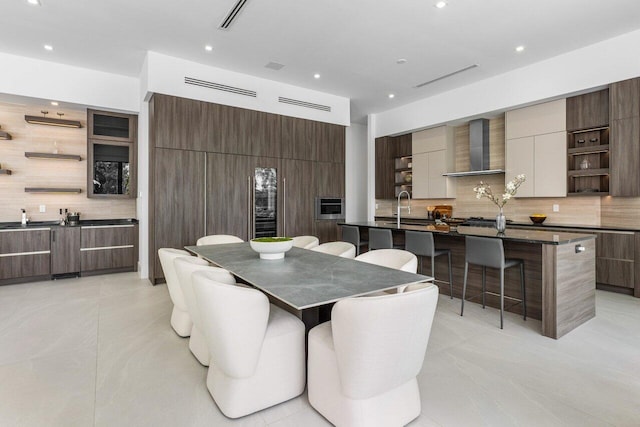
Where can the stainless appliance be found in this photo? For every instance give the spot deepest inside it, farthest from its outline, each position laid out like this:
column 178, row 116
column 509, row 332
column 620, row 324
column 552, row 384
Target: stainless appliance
column 329, row 208
column 264, row 209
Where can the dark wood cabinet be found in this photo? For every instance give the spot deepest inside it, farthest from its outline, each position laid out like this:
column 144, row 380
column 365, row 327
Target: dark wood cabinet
column 330, row 142
column 310, row 140
column 625, row 138
column 624, row 99
column 297, row 195
column 183, row 124
column 108, row 249
column 25, row 255
column 387, row 150
column 112, row 126
column 248, row 132
column 65, row 250
column 588, row 111
column 176, row 202
column 230, row 183
column 625, row 157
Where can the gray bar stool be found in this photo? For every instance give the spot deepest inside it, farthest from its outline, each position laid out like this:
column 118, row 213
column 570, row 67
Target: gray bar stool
column 351, row 234
column 489, row 252
column 420, row 243
column 380, row 238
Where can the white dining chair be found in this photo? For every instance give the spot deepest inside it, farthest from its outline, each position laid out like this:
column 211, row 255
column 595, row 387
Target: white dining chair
column 363, row 364
column 180, row 317
column 341, row 249
column 218, row 239
column 185, row 267
column 392, row 258
column 257, row 349
column 305, row 242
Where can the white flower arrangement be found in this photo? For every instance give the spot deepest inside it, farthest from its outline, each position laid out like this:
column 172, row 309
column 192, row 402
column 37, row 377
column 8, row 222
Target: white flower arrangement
column 510, row 190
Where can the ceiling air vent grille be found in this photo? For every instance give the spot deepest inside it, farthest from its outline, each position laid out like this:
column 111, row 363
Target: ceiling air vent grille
column 233, row 13
column 304, row 104
column 218, row 86
column 446, row 76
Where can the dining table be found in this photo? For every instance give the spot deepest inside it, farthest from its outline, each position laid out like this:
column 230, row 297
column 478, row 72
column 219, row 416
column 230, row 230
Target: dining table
column 305, row 281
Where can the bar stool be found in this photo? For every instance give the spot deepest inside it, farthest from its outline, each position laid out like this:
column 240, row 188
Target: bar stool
column 381, row 238
column 489, row 252
column 351, row 234
column 421, row 244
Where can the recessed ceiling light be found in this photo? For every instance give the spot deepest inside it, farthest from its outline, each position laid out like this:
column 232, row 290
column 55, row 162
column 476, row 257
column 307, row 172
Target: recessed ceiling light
column 401, row 61
column 54, row 103
column 34, row 2
column 441, row 4
column 316, row 76
column 48, row 47
column 519, row 48
column 391, row 96
column 208, row 48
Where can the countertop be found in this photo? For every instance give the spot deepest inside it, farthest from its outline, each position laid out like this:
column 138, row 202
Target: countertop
column 84, row 222
column 545, row 225
column 513, row 234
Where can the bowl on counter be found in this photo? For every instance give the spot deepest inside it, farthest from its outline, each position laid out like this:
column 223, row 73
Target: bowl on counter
column 271, row 247
column 538, row 218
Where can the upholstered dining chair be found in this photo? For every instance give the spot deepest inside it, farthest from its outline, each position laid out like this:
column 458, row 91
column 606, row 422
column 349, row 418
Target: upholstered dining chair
column 392, row 258
column 341, row 249
column 305, row 242
column 180, row 317
column 218, row 239
column 257, row 349
column 363, row 364
column 185, row 267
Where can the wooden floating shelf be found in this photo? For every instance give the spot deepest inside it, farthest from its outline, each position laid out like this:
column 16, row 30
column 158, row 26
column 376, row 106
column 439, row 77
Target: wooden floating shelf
column 594, row 149
column 50, row 121
column 4, row 135
column 51, row 190
column 5, row 172
column 52, row 156
column 589, row 130
column 588, row 172
column 589, row 193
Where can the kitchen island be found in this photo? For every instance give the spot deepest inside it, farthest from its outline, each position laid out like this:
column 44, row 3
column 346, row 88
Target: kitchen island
column 559, row 270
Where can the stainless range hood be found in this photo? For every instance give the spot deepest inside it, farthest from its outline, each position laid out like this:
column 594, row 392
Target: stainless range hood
column 478, row 151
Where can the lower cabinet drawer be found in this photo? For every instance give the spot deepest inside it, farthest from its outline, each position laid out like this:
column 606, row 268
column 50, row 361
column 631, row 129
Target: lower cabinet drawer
column 615, row 272
column 106, row 259
column 19, row 266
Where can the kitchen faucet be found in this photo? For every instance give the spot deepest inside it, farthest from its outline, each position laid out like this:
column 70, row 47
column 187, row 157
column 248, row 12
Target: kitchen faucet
column 408, row 205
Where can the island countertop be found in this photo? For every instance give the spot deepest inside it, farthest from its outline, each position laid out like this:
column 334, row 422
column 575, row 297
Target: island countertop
column 545, row 237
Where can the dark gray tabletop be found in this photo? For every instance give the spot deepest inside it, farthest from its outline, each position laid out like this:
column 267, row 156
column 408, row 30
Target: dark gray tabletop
column 304, row 278
column 545, row 237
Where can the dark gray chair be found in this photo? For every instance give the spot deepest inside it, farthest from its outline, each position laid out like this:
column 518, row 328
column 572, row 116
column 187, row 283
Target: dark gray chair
column 380, row 238
column 421, row 244
column 489, row 252
column 351, row 234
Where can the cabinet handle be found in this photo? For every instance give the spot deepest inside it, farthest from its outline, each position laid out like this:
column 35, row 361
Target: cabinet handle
column 580, row 248
column 284, row 207
column 248, row 208
column 580, row 141
column 593, row 140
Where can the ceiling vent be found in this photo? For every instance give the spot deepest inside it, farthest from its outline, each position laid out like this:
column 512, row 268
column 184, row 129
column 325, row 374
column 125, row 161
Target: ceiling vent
column 218, row 86
column 274, row 66
column 304, row 104
column 232, row 15
column 446, row 76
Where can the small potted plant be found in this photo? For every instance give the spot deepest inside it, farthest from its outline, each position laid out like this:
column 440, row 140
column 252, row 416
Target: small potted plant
column 271, row 247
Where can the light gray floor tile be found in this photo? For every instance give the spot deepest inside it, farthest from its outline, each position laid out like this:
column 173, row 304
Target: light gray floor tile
column 100, row 351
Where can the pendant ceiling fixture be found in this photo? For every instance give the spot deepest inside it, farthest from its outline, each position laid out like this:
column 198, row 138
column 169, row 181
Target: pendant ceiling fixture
column 50, row 121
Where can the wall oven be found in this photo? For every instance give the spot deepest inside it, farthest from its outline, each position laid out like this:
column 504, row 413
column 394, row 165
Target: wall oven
column 329, row 208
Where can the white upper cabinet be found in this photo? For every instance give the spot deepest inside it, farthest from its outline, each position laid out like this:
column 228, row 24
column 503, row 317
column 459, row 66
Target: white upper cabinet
column 433, row 154
column 536, row 145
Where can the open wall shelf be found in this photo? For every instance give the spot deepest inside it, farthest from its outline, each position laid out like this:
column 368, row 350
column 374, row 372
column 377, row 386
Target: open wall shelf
column 52, row 190
column 32, row 155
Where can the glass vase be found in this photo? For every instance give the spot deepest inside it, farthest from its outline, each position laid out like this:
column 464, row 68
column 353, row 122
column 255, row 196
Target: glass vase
column 501, row 222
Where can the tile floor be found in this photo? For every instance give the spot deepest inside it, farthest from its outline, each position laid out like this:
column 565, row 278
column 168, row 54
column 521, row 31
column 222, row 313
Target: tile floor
column 99, row 351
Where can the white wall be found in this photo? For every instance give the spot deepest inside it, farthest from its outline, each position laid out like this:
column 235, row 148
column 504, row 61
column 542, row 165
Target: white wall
column 356, row 173
column 52, row 81
column 165, row 74
column 592, row 66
